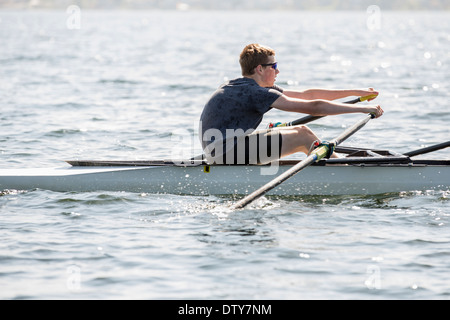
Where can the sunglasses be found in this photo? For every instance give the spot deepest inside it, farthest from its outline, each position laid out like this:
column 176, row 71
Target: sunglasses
column 274, row 65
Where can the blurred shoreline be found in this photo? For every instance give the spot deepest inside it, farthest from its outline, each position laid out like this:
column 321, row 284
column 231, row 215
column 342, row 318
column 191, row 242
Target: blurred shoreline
column 231, row 5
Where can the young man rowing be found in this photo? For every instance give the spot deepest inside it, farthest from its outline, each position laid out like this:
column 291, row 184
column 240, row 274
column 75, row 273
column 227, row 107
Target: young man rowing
column 234, row 111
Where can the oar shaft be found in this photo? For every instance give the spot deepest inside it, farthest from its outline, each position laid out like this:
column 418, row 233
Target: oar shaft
column 304, row 120
column 316, row 155
column 350, row 131
column 275, row 182
column 428, row 149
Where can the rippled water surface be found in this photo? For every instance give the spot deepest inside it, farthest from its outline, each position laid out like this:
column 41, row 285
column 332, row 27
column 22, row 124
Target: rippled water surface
column 131, row 85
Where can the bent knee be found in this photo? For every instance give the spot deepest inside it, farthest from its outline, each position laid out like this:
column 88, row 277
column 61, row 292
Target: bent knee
column 303, row 130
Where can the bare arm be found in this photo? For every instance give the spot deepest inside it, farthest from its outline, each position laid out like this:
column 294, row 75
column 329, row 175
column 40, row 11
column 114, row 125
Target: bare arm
column 325, row 94
column 322, row 107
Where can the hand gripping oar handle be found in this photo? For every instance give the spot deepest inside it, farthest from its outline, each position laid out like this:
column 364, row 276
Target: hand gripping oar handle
column 308, row 119
column 316, row 155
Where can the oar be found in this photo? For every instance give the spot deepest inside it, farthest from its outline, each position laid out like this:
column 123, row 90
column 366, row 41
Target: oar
column 428, row 149
column 316, row 155
column 308, row 119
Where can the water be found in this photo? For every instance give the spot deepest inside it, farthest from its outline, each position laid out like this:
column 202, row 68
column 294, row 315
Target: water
column 131, row 85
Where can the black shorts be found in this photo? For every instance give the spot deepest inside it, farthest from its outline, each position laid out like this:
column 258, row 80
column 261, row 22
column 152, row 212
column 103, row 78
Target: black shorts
column 260, row 147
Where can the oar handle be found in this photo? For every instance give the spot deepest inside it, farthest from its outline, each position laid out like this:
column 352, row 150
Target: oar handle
column 310, row 118
column 361, row 99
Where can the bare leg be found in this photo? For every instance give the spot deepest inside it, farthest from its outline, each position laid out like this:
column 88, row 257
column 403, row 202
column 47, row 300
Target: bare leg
column 298, row 139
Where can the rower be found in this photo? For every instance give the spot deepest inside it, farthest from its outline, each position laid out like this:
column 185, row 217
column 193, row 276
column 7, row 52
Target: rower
column 232, row 114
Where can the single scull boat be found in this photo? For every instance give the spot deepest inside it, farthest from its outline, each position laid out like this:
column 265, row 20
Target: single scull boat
column 362, row 171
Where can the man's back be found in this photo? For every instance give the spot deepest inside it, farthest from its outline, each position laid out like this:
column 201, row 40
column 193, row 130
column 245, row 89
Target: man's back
column 238, row 104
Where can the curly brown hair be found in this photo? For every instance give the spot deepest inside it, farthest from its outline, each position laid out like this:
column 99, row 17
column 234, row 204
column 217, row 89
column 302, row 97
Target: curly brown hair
column 252, row 56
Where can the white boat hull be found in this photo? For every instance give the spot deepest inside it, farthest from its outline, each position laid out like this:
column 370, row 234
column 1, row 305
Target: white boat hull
column 241, row 180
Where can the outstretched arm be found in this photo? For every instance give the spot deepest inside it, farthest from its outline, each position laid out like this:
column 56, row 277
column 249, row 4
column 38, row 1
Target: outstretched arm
column 322, row 107
column 325, row 94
